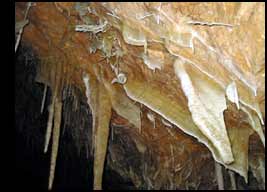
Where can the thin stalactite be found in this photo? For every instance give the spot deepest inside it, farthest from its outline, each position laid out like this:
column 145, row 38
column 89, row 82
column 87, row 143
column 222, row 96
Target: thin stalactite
column 219, row 176
column 43, row 100
column 49, row 124
column 22, row 27
column 55, row 144
column 232, row 179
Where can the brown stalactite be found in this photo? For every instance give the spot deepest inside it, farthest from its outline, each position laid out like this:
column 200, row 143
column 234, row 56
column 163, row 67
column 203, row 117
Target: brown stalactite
column 103, row 114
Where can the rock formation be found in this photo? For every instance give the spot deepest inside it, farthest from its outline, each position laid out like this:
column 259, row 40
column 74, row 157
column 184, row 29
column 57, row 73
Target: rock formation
column 180, row 85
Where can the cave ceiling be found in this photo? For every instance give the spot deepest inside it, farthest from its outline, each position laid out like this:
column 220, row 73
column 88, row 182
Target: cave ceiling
column 186, row 80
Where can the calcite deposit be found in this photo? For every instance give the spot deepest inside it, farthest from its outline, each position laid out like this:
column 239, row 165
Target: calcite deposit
column 180, row 85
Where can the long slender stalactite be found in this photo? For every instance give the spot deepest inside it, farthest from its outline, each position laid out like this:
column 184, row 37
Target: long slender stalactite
column 55, row 142
column 49, row 124
column 101, row 135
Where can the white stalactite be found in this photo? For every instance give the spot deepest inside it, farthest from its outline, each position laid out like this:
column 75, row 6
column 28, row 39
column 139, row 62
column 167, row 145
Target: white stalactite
column 219, row 176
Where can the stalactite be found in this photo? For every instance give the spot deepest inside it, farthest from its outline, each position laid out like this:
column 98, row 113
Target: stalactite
column 22, row 26
column 90, row 86
column 43, row 100
column 239, row 139
column 56, row 134
column 232, row 179
column 219, row 175
column 54, row 121
column 99, row 101
column 254, row 122
column 122, row 104
column 208, row 116
column 101, row 135
column 49, row 124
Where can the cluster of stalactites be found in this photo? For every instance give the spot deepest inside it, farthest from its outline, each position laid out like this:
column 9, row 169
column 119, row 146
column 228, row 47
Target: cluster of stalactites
column 206, row 89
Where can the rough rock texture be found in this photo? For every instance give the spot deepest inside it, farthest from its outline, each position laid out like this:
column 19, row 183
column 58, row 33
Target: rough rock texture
column 182, row 82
